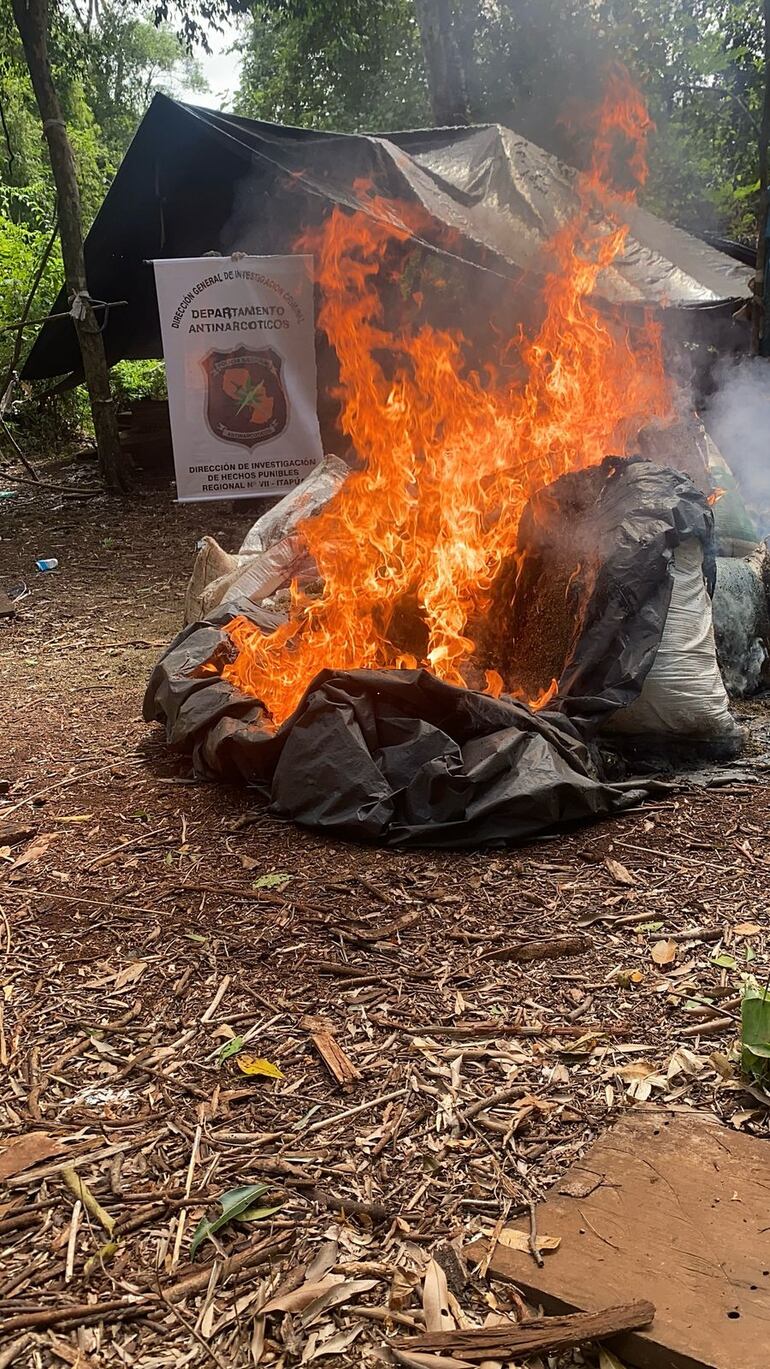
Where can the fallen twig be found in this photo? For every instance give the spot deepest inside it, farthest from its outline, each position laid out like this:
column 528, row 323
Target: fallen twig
column 350, row 1206
column 533, row 1245
column 55, row 895
column 78, row 1314
column 479, row 1029
column 553, row 949
column 254, row 896
column 541, row 1334
column 492, row 1100
column 249, row 1258
column 710, row 1027
column 387, row 1315
column 59, row 784
column 352, row 1112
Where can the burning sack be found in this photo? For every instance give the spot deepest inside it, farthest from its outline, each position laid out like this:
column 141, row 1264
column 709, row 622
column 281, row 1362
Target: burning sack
column 218, row 577
column 271, row 556
column 605, row 600
column 312, row 495
column 213, row 566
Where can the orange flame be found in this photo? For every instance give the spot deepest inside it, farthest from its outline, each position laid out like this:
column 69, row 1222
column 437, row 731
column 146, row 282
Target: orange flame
column 545, row 696
column 449, row 459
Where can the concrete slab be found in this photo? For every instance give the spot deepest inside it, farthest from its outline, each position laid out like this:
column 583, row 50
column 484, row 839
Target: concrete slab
column 673, row 1209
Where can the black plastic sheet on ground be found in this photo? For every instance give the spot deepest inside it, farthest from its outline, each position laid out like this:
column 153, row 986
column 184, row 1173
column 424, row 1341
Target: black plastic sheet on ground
column 392, row 756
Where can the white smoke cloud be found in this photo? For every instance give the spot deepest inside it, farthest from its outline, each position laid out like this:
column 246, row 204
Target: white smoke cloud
column 738, row 419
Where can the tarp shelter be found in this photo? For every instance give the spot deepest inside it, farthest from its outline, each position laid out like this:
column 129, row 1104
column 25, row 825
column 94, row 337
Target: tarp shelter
column 195, row 181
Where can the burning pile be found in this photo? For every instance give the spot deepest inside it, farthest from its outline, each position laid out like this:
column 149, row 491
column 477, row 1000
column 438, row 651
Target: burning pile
column 449, row 456
column 365, row 709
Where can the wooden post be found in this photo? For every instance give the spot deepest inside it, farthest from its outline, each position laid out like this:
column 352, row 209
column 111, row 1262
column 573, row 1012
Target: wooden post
column 32, row 18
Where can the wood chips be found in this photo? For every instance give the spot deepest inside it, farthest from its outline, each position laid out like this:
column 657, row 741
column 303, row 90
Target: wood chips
column 443, row 1084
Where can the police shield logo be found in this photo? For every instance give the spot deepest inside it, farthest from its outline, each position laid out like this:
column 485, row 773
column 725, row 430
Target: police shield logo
column 246, row 401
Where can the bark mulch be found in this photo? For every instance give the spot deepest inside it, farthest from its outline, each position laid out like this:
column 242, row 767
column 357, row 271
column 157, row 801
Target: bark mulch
column 395, row 1053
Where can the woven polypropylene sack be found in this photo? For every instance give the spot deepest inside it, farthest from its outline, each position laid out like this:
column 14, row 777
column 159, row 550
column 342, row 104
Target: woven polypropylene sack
column 683, row 693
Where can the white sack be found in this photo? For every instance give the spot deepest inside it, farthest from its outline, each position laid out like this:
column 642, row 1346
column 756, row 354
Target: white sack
column 742, row 621
column 216, row 574
column 211, row 565
column 683, row 693
column 263, row 574
column 306, row 500
column 252, row 577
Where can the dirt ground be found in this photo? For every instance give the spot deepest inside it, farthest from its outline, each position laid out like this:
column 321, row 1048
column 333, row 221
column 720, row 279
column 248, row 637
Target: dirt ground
column 146, row 920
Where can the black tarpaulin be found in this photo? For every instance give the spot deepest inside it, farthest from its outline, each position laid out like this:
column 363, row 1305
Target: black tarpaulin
column 194, row 181
column 387, row 756
column 401, row 758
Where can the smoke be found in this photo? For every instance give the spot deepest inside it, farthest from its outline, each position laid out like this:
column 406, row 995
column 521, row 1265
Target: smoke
column 738, row 419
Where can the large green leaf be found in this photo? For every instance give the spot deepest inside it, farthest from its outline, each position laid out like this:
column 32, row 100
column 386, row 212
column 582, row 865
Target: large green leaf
column 755, row 1031
column 234, row 1204
column 742, row 192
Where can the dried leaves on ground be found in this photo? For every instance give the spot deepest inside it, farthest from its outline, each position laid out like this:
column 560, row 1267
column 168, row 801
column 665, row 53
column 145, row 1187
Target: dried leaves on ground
column 260, row 1090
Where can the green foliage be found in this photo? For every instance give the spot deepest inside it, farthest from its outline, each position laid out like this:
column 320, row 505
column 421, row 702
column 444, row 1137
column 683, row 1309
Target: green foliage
column 132, row 380
column 345, row 66
column 699, row 63
column 701, row 67
column 194, row 20
column 755, row 1031
column 237, row 1202
column 124, row 62
column 106, row 72
column 22, row 247
column 230, row 1048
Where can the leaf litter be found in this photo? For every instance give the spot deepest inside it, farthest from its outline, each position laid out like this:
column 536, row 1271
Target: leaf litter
column 145, row 964
column 257, row 1065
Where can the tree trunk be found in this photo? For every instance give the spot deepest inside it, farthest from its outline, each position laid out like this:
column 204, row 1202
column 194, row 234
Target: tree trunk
column 760, row 314
column 32, row 22
column 466, row 21
column 443, row 63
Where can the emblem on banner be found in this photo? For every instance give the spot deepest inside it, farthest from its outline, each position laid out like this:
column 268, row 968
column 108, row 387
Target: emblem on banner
column 246, row 401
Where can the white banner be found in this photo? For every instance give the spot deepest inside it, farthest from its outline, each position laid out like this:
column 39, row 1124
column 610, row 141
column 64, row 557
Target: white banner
column 240, row 368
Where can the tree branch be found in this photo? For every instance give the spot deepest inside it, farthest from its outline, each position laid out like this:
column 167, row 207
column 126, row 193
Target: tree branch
column 38, row 276
column 727, row 94
column 8, row 143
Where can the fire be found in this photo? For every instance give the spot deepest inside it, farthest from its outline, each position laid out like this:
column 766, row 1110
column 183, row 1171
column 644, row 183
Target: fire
column 545, row 696
column 449, row 458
